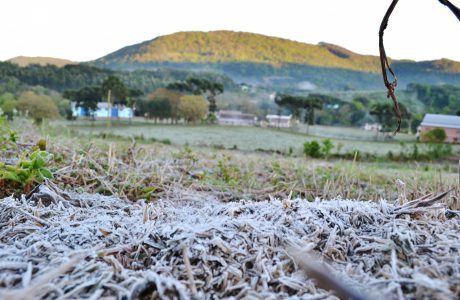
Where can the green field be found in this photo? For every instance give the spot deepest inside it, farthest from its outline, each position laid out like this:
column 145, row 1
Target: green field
column 250, row 138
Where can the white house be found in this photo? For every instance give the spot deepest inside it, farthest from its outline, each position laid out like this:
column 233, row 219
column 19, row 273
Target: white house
column 279, row 121
column 376, row 127
column 226, row 117
column 102, row 111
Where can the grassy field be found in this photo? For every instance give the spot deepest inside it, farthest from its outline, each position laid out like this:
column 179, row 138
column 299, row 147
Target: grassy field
column 90, row 161
column 353, row 133
column 248, row 138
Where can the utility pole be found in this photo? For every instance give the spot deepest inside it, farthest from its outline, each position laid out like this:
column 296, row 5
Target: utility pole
column 109, row 113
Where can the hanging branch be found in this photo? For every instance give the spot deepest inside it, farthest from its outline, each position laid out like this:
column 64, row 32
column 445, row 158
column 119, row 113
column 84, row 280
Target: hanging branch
column 452, row 7
column 384, row 60
column 386, row 66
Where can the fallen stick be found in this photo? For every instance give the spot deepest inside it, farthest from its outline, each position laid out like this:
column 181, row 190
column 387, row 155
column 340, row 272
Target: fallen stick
column 321, row 274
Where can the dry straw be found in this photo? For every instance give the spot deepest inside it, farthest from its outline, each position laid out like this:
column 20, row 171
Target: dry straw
column 59, row 246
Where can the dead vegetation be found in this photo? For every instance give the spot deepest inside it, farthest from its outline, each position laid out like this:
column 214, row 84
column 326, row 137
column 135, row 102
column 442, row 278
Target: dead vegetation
column 91, row 246
column 197, row 233
column 153, row 171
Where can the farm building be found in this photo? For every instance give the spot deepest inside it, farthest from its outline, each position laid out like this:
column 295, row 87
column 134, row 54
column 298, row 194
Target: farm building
column 102, row 111
column 279, row 121
column 376, row 127
column 450, row 124
column 226, row 117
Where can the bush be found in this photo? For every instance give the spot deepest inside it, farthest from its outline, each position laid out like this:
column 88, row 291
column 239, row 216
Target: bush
column 38, row 107
column 415, row 155
column 21, row 171
column 193, row 108
column 326, row 147
column 312, row 149
column 436, row 151
column 435, row 135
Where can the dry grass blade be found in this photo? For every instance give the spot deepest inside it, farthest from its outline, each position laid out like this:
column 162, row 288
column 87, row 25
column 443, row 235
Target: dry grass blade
column 322, row 274
column 233, row 250
column 188, row 267
column 425, row 201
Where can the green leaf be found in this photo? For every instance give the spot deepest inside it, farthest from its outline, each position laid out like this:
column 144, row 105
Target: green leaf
column 39, row 162
column 39, row 176
column 25, row 163
column 34, row 154
column 10, row 176
column 46, row 173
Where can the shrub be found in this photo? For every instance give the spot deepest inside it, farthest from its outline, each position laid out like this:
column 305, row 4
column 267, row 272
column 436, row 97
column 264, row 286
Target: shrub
column 312, row 149
column 435, row 135
column 38, row 107
column 27, row 170
column 415, row 155
column 8, row 137
column 193, row 108
column 326, row 147
column 436, row 151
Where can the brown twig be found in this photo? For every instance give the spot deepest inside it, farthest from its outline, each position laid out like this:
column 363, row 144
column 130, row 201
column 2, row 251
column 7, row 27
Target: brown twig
column 384, row 59
column 188, row 268
column 321, row 274
column 386, row 66
column 455, row 10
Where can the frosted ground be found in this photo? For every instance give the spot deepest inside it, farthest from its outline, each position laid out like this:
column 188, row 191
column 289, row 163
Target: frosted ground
column 55, row 245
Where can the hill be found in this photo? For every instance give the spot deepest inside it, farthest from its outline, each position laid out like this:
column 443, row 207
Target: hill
column 28, row 60
column 272, row 61
column 229, row 46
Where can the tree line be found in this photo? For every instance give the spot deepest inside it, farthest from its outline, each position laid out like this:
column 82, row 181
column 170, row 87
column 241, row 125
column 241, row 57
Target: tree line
column 328, row 110
column 74, row 77
column 183, row 100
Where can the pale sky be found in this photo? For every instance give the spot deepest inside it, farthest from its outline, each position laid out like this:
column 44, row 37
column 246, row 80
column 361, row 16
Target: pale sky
column 83, row 30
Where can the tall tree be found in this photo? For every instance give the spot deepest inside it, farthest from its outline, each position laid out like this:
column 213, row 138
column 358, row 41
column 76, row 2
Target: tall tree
column 193, row 108
column 87, row 97
column 384, row 113
column 198, row 86
column 38, row 107
column 311, row 103
column 297, row 104
column 118, row 90
column 172, row 97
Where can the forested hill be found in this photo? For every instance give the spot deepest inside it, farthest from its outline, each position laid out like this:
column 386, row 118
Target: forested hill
column 265, row 60
column 82, row 75
column 38, row 60
column 229, row 46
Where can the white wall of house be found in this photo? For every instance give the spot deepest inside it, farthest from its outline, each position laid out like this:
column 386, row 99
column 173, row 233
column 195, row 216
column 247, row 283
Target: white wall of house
column 102, row 111
column 235, row 118
column 279, row 121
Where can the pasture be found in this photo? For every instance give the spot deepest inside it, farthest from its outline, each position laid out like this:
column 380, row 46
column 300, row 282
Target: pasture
column 126, row 216
column 251, row 138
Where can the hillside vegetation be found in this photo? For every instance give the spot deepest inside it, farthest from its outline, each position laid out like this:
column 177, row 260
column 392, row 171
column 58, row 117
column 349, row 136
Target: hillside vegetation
column 24, row 61
column 229, row 46
column 81, row 75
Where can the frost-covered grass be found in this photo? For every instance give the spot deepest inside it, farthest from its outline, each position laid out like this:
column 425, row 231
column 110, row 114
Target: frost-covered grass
column 352, row 133
column 209, row 223
column 150, row 170
column 246, row 138
column 193, row 246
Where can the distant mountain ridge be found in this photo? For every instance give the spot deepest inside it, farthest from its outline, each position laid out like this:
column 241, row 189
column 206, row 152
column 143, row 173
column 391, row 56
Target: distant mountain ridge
column 273, row 62
column 29, row 60
column 234, row 47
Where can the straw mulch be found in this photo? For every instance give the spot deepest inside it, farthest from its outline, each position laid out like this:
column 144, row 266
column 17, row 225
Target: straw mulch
column 86, row 246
